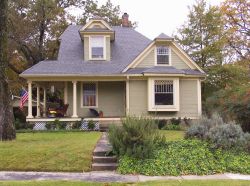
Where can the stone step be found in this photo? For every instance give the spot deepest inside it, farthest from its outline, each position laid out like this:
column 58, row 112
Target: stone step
column 104, row 166
column 104, row 159
column 100, row 153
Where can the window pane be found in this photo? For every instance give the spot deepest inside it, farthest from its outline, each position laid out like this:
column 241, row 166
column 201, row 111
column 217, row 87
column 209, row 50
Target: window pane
column 89, row 94
column 97, row 45
column 164, row 99
column 162, row 55
column 97, row 52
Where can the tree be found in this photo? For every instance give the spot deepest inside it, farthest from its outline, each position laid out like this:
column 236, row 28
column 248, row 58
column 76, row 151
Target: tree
column 7, row 130
column 236, row 15
column 202, row 36
column 109, row 12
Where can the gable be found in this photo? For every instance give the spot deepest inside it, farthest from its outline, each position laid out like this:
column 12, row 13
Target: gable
column 149, row 59
column 96, row 25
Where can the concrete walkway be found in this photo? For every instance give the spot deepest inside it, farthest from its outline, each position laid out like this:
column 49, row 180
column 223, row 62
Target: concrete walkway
column 109, row 177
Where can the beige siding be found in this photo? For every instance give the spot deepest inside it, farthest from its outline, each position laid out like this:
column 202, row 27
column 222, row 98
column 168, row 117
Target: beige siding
column 86, row 48
column 188, row 98
column 111, row 99
column 138, row 97
column 177, row 62
column 108, row 50
column 148, row 61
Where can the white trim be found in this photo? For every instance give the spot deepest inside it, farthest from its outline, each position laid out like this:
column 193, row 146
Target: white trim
column 142, row 54
column 169, row 57
column 53, row 119
column 189, row 59
column 74, row 115
column 30, row 100
column 38, row 110
column 65, row 92
column 91, row 21
column 127, row 96
column 104, row 48
column 151, row 102
column 199, row 97
column 97, row 94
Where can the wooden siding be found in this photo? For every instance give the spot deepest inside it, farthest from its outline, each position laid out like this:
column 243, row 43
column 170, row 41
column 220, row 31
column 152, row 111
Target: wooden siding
column 148, row 61
column 108, row 50
column 177, row 62
column 86, row 48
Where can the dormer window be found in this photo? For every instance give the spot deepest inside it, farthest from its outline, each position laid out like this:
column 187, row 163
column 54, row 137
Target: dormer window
column 163, row 55
column 97, row 44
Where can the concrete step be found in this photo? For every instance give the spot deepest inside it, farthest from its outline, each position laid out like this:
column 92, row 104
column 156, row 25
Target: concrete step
column 100, row 153
column 104, row 166
column 104, row 159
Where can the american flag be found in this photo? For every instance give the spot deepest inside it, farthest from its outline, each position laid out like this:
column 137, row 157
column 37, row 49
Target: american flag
column 24, row 98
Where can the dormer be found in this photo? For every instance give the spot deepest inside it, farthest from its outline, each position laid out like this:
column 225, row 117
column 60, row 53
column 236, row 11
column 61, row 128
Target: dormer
column 97, row 36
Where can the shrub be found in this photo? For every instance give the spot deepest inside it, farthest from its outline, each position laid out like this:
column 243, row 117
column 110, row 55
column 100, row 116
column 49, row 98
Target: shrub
column 200, row 128
column 175, row 121
column 227, row 136
column 91, row 125
column 172, row 127
column 76, row 125
column 187, row 121
column 162, row 123
column 135, row 138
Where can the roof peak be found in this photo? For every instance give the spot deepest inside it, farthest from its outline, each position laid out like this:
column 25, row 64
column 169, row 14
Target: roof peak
column 164, row 36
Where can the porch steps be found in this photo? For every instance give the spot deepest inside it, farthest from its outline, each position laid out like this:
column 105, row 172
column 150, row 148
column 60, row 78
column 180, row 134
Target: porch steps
column 101, row 160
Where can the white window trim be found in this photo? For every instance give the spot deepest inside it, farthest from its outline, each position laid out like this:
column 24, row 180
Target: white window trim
column 151, row 96
column 170, row 61
column 104, row 49
column 97, row 95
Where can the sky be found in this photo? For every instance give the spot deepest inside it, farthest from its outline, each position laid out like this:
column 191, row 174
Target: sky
column 157, row 16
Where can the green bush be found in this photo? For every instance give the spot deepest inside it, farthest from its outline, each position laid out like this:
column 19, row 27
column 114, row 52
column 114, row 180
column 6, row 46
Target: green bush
column 162, row 123
column 172, row 127
column 76, row 125
column 187, row 157
column 91, row 125
column 227, row 136
column 175, row 121
column 137, row 137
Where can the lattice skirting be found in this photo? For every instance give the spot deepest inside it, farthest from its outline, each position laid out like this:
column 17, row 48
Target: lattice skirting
column 40, row 126
column 84, row 125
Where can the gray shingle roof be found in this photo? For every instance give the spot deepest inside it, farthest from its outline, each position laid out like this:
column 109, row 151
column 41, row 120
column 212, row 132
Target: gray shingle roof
column 164, row 36
column 127, row 46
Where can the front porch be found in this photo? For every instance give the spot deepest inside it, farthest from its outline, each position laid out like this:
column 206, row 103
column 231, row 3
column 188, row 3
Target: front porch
column 109, row 99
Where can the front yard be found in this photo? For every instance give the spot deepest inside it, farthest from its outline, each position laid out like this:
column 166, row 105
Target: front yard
column 59, row 151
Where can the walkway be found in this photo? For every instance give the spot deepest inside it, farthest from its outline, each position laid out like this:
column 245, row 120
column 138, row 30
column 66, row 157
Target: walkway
column 109, row 176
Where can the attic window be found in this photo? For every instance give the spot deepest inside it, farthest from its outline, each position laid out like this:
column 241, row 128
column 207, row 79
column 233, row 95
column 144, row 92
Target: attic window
column 97, row 47
column 162, row 55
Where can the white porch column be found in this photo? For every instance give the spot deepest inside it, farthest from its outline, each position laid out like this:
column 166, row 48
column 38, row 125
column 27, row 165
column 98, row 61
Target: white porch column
column 29, row 99
column 74, row 99
column 44, row 102
column 66, row 92
column 127, row 96
column 38, row 110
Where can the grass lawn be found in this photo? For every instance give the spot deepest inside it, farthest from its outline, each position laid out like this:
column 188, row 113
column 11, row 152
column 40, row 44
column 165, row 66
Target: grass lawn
column 155, row 183
column 59, row 151
column 173, row 135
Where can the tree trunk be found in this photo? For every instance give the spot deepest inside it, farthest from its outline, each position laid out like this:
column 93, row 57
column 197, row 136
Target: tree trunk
column 7, row 130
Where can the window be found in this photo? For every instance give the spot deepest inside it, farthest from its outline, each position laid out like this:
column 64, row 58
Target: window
column 89, row 94
column 164, row 94
column 162, row 55
column 97, row 47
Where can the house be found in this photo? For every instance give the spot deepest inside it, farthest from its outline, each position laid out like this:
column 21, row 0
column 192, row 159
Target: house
column 116, row 70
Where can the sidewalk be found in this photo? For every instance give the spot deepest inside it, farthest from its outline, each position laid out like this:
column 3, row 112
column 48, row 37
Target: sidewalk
column 109, row 176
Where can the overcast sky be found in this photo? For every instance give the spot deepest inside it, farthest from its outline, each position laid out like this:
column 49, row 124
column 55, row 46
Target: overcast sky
column 157, row 16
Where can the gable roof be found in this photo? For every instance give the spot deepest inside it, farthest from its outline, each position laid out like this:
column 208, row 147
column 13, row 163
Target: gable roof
column 163, row 36
column 128, row 44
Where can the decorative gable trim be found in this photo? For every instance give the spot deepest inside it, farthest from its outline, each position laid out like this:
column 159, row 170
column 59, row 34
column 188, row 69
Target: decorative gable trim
column 174, row 46
column 92, row 22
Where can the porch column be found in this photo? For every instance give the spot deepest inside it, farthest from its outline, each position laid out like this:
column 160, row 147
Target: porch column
column 74, row 99
column 44, row 102
column 38, row 111
column 127, row 96
column 29, row 99
column 66, row 92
